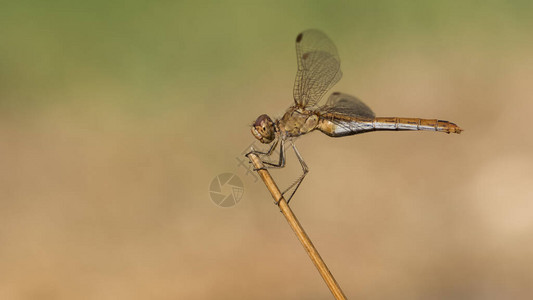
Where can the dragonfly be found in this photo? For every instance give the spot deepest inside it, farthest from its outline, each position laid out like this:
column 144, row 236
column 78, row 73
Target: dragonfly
column 341, row 115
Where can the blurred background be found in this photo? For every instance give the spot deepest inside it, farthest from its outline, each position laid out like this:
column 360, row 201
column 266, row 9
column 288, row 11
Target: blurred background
column 116, row 115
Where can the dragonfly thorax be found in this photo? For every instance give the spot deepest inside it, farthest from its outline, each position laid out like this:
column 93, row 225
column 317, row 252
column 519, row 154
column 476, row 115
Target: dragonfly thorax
column 264, row 129
column 297, row 121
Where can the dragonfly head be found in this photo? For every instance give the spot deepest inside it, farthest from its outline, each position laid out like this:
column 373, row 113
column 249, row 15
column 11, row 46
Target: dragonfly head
column 263, row 129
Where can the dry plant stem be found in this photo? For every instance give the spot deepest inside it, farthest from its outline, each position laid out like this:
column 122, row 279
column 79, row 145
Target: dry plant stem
column 296, row 227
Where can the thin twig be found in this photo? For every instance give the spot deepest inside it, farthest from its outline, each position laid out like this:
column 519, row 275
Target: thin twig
column 296, row 227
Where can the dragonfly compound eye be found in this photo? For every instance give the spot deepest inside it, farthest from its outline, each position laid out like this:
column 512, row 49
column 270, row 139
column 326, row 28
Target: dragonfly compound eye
column 263, row 129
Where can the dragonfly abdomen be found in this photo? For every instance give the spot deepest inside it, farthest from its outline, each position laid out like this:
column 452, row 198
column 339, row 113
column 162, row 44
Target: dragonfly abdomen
column 386, row 123
column 337, row 127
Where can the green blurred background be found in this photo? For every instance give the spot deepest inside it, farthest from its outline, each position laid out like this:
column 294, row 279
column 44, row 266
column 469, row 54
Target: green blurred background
column 116, row 115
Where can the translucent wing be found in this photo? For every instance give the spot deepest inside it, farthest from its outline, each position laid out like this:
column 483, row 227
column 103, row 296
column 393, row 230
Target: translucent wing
column 346, row 105
column 318, row 67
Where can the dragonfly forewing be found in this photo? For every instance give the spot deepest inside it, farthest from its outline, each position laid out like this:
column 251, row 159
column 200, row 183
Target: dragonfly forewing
column 318, row 67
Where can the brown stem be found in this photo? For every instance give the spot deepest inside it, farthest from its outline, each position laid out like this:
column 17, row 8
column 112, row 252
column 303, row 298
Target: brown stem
column 297, row 227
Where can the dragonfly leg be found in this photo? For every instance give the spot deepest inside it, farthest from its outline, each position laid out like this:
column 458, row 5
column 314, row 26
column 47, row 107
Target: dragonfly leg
column 281, row 162
column 268, row 153
column 298, row 181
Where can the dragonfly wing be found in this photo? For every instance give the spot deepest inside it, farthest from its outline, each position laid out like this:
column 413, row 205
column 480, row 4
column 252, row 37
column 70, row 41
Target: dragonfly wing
column 318, row 67
column 345, row 115
column 346, row 105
